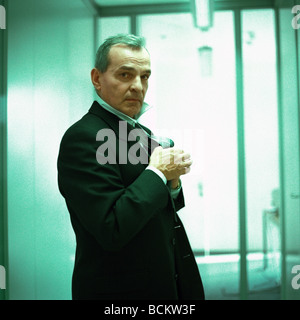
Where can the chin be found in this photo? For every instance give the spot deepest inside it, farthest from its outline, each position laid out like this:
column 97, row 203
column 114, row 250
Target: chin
column 131, row 111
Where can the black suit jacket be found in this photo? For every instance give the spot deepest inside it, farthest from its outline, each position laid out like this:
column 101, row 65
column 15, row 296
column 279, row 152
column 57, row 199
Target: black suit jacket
column 131, row 243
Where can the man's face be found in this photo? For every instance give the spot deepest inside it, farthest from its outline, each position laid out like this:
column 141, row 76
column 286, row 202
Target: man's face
column 125, row 82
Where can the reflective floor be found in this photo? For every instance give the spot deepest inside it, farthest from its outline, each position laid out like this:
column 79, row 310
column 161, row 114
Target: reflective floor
column 220, row 274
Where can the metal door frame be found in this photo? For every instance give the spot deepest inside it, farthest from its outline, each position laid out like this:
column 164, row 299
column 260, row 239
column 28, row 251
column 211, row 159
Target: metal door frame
column 3, row 151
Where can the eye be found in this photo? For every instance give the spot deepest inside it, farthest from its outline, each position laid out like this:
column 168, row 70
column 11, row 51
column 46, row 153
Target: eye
column 145, row 76
column 124, row 75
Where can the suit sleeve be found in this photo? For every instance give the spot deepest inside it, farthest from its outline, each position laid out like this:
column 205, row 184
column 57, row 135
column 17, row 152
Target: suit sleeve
column 178, row 201
column 107, row 209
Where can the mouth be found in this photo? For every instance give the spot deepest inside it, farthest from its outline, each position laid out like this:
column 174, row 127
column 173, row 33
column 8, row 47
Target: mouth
column 133, row 100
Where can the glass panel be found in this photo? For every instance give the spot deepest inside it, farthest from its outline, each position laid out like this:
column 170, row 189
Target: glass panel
column 261, row 145
column 290, row 155
column 193, row 92
column 110, row 26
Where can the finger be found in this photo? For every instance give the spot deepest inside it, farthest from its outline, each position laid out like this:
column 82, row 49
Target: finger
column 187, row 170
column 186, row 163
column 184, row 171
column 157, row 148
column 185, row 156
column 182, row 157
column 176, row 151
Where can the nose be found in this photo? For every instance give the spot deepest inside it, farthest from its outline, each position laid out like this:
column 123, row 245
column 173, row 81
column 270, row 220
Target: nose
column 136, row 85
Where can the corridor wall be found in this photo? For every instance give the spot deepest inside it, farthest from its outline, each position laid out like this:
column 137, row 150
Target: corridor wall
column 50, row 55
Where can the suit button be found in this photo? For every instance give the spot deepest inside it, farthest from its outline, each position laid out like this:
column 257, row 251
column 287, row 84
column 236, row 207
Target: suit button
column 176, row 277
column 173, row 241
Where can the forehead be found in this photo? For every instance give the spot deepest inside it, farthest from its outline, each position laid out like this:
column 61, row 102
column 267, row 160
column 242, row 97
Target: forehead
column 120, row 55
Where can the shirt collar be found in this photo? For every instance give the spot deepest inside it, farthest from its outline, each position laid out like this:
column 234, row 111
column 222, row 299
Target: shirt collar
column 121, row 115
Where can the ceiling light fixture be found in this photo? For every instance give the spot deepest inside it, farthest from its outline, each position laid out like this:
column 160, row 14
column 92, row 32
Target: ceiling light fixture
column 203, row 11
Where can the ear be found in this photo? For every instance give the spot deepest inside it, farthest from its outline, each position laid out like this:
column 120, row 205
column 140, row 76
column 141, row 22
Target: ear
column 95, row 77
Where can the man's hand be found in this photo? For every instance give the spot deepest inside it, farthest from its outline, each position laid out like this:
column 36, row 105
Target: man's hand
column 172, row 162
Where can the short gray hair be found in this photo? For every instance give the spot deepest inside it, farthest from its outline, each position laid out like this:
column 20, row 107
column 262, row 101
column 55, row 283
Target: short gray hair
column 129, row 40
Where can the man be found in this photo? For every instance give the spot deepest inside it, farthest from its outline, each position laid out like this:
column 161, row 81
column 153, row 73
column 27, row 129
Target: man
column 131, row 243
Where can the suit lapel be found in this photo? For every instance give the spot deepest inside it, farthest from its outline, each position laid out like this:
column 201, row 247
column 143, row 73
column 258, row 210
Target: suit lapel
column 111, row 120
